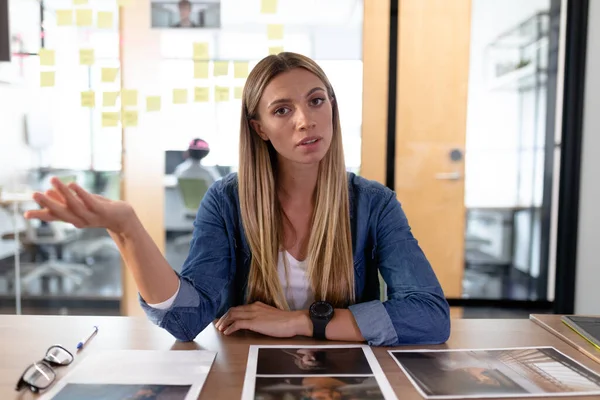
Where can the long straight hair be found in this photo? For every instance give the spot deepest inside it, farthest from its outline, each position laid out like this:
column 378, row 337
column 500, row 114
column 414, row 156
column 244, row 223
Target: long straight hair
column 330, row 265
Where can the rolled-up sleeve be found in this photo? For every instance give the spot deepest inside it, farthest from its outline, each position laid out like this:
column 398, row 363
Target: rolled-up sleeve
column 205, row 275
column 416, row 311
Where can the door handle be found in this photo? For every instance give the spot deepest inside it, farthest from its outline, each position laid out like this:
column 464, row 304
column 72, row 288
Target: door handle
column 448, row 176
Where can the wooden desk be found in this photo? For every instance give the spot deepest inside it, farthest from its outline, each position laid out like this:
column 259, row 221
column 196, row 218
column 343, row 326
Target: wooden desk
column 554, row 325
column 26, row 338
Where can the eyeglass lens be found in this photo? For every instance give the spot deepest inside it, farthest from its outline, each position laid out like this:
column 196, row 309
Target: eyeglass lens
column 59, row 356
column 39, row 375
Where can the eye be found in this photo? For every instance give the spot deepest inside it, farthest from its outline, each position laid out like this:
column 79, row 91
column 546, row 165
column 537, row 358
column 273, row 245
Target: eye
column 282, row 111
column 317, row 101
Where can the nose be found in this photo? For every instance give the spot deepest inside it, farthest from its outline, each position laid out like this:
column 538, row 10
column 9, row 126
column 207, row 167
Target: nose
column 304, row 119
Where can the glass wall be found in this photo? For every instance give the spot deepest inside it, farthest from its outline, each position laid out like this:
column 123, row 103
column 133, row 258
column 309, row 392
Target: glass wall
column 510, row 148
column 53, row 92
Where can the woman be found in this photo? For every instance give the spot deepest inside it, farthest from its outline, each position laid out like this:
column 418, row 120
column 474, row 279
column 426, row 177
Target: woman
column 292, row 227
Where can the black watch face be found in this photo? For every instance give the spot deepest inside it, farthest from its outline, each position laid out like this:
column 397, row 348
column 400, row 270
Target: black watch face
column 321, row 309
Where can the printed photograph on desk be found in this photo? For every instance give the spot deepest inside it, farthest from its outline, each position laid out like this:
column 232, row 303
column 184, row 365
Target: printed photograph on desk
column 336, row 372
column 512, row 372
column 190, row 14
column 135, row 374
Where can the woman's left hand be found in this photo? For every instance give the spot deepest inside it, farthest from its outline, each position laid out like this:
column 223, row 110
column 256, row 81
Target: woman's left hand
column 264, row 319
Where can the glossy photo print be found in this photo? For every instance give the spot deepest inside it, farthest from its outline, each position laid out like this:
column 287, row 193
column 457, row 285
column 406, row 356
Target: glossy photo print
column 329, row 372
column 318, row 388
column 186, row 14
column 78, row 391
column 312, row 361
column 515, row 372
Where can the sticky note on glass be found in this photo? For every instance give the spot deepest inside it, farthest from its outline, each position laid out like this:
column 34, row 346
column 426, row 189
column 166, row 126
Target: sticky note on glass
column 268, row 6
column 47, row 57
column 129, row 98
column 201, row 69
column 152, row 103
column 274, row 32
column 83, row 17
column 47, row 78
column 109, row 99
column 80, row 2
column 275, row 50
column 221, row 93
column 104, row 19
column 240, row 69
column 237, row 92
column 180, row 96
column 109, row 74
column 110, row 119
column 64, row 17
column 221, row 68
column 123, row 3
column 88, row 99
column 200, row 51
column 130, row 118
column 86, row 57
column 201, row 94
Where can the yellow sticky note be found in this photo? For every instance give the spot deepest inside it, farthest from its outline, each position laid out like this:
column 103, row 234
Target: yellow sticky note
column 47, row 78
column 80, row 2
column 221, row 68
column 47, row 57
column 152, row 103
column 105, row 19
column 110, row 119
column 109, row 99
column 123, row 3
column 109, row 74
column 274, row 32
column 237, row 92
column 64, row 17
column 268, row 6
column 129, row 98
column 88, row 99
column 201, row 94
column 130, row 118
column 83, row 17
column 275, row 50
column 200, row 51
column 221, row 93
column 201, row 69
column 180, row 96
column 240, row 69
column 86, row 56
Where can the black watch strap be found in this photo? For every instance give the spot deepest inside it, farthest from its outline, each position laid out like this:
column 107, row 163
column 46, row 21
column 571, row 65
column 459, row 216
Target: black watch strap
column 319, row 327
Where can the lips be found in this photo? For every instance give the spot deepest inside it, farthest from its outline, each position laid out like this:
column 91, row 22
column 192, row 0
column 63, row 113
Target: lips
column 308, row 141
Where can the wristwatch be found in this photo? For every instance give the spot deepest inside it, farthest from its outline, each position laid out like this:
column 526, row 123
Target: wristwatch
column 320, row 312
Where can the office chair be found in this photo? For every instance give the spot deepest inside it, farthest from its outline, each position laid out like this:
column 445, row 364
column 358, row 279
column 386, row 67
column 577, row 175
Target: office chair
column 192, row 192
column 53, row 237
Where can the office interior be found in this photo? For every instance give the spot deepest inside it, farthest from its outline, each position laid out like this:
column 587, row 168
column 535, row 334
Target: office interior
column 457, row 106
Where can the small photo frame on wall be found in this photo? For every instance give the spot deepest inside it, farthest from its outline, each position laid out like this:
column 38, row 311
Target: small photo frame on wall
column 186, row 14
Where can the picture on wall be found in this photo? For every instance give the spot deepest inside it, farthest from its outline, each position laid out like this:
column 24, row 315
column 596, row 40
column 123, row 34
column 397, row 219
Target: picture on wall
column 186, row 14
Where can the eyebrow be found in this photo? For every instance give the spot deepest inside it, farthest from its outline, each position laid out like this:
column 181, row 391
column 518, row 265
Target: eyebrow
column 311, row 91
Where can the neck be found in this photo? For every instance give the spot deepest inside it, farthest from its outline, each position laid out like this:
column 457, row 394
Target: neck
column 297, row 182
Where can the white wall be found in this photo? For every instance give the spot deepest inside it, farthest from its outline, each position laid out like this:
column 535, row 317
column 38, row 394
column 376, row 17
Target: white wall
column 587, row 295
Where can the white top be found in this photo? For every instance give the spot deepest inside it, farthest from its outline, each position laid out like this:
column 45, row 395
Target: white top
column 296, row 286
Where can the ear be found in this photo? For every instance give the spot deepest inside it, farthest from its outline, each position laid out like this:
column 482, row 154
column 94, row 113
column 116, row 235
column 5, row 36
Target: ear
column 256, row 125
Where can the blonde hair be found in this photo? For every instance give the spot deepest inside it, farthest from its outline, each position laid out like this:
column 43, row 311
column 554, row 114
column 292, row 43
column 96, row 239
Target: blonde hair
column 330, row 264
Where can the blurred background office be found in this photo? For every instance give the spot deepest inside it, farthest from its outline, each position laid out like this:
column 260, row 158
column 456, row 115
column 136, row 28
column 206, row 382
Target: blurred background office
column 461, row 114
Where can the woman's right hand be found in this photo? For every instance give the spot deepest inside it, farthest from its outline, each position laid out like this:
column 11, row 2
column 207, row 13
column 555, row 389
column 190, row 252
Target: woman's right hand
column 70, row 203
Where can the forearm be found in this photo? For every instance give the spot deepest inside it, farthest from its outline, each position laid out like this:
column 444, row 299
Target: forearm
column 342, row 327
column 154, row 277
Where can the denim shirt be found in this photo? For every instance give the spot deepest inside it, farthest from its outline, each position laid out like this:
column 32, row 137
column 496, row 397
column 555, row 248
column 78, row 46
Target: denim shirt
column 215, row 274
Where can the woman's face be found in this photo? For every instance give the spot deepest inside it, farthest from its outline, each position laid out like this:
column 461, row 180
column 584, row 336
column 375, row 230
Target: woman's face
column 295, row 114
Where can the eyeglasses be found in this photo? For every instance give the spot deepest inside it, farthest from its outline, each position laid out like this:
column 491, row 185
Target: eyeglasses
column 40, row 375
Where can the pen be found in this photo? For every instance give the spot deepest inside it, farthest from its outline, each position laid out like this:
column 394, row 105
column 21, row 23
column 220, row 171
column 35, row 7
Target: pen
column 87, row 339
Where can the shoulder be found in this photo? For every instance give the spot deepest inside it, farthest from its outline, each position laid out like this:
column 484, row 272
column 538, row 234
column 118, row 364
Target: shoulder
column 225, row 188
column 362, row 189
